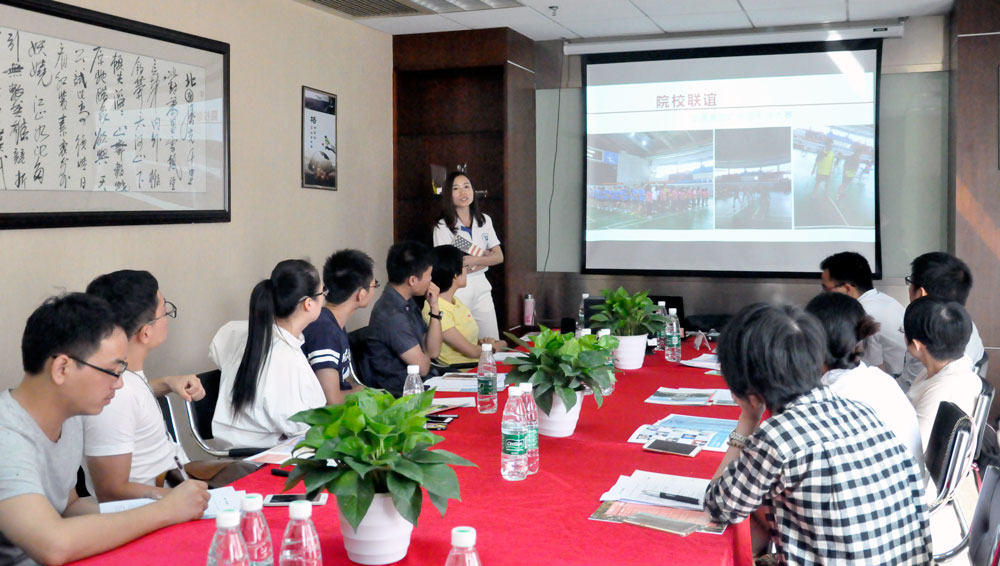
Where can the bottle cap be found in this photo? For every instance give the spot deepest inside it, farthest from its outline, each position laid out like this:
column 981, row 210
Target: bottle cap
column 661, row 303
column 586, row 295
column 604, row 332
column 463, row 537
column 528, row 296
column 413, row 369
column 526, row 387
column 487, row 347
column 300, row 510
column 253, row 502
column 584, row 332
column 671, row 310
column 514, row 391
column 227, row 519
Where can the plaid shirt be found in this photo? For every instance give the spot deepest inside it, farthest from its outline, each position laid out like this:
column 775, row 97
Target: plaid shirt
column 843, row 489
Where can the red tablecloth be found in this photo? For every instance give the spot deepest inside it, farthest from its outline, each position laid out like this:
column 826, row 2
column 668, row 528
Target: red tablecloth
column 541, row 520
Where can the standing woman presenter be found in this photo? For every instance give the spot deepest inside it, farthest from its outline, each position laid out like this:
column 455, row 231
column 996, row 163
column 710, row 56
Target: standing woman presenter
column 463, row 225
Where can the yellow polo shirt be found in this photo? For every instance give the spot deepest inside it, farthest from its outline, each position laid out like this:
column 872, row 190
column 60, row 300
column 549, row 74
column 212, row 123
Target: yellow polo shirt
column 455, row 315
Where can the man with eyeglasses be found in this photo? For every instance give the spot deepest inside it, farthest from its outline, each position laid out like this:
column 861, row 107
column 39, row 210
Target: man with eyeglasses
column 127, row 445
column 350, row 284
column 73, row 353
column 850, row 274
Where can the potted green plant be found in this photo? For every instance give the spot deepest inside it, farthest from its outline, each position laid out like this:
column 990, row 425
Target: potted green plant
column 560, row 366
column 631, row 318
column 373, row 453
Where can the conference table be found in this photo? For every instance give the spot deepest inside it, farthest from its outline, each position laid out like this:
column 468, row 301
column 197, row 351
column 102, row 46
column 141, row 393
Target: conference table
column 540, row 520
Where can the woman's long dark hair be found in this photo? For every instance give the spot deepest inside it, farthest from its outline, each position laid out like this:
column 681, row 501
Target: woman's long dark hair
column 448, row 213
column 273, row 298
column 847, row 326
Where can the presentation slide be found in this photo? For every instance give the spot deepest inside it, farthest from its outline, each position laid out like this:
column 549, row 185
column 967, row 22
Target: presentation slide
column 740, row 163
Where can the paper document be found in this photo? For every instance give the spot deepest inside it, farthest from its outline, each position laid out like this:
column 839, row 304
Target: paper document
column 617, row 511
column 219, row 499
column 501, row 356
column 635, row 489
column 704, row 361
column 278, row 454
column 460, row 383
column 710, row 434
column 448, row 403
column 682, row 396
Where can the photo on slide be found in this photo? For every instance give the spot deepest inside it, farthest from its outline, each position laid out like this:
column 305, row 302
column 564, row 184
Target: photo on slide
column 834, row 172
column 753, row 178
column 650, row 180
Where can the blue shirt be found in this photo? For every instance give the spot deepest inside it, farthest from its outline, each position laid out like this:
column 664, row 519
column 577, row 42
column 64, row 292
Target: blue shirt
column 394, row 327
column 326, row 346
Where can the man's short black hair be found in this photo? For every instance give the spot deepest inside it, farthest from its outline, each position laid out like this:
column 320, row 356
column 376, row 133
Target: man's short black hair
column 405, row 259
column 345, row 272
column 942, row 275
column 447, row 266
column 74, row 324
column 772, row 351
column 131, row 294
column 942, row 326
column 849, row 267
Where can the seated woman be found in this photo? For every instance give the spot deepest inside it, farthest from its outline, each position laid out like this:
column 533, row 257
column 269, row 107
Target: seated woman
column 461, row 344
column 265, row 376
column 847, row 327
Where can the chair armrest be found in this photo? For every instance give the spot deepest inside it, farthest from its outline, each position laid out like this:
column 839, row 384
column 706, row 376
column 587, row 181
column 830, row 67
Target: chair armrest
column 244, row 452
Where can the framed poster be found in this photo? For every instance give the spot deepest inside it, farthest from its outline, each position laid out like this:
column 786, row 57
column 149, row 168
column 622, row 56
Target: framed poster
column 109, row 121
column 319, row 139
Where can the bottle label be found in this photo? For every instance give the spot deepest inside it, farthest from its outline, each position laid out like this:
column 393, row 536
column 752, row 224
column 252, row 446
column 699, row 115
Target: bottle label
column 487, row 385
column 674, row 340
column 514, row 444
column 531, row 440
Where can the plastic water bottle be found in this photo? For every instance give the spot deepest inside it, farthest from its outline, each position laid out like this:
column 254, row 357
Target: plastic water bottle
column 300, row 545
column 228, row 547
column 611, row 365
column 255, row 533
column 514, row 433
column 531, row 416
column 413, row 382
column 661, row 329
column 463, row 548
column 673, row 352
column 486, row 381
column 581, row 315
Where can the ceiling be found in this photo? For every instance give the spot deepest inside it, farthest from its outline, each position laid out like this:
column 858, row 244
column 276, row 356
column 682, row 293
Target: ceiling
column 584, row 19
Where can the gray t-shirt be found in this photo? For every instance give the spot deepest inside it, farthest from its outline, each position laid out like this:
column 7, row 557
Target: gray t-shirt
column 32, row 463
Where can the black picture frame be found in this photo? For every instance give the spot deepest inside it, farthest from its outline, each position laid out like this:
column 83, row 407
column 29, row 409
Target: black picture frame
column 319, row 150
column 138, row 116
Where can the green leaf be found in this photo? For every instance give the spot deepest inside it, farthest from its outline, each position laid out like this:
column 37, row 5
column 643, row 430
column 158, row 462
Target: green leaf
column 544, row 399
column 408, row 469
column 359, row 466
column 354, row 420
column 441, row 480
column 568, row 397
column 406, row 496
column 439, row 501
column 316, row 479
column 354, row 505
column 438, row 457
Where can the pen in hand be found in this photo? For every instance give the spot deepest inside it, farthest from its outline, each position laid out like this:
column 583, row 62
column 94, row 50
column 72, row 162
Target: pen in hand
column 672, row 497
column 180, row 469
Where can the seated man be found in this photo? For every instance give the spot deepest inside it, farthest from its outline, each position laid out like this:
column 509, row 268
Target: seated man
column 73, row 354
column 840, row 487
column 127, row 445
column 397, row 335
column 936, row 333
column 941, row 275
column 850, row 274
column 459, row 332
column 350, row 283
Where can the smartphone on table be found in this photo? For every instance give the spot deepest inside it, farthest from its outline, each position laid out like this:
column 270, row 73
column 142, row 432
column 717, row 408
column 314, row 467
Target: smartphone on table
column 669, row 447
column 286, row 499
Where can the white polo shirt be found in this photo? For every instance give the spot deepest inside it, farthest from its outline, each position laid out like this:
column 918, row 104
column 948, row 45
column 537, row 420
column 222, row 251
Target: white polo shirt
column 878, row 390
column 483, row 236
column 956, row 382
column 286, row 386
column 888, row 346
column 132, row 424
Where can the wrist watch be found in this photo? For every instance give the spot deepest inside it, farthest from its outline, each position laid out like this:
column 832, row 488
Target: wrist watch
column 738, row 440
column 432, row 315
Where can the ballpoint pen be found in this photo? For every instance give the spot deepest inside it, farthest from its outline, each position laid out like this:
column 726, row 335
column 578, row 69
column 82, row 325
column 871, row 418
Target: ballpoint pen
column 180, row 469
column 672, row 497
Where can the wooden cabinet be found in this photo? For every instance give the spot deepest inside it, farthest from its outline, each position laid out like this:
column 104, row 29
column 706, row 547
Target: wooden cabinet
column 468, row 97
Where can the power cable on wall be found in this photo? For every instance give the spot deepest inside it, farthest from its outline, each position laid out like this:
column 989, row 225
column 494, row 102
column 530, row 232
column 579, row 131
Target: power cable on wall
column 555, row 159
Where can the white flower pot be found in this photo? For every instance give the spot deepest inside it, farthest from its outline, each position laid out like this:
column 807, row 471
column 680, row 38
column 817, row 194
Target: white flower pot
column 560, row 423
column 631, row 352
column 383, row 537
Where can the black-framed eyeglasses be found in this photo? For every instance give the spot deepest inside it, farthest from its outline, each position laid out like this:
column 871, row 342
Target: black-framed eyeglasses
column 908, row 279
column 315, row 296
column 116, row 374
column 169, row 310
column 375, row 284
column 831, row 287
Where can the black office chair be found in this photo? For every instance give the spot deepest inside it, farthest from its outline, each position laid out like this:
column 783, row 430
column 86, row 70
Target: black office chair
column 168, row 416
column 980, row 414
column 357, row 340
column 984, row 532
column 949, row 459
column 982, row 366
column 200, row 414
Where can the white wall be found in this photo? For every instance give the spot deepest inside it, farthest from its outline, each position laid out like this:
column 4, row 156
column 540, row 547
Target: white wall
column 208, row 270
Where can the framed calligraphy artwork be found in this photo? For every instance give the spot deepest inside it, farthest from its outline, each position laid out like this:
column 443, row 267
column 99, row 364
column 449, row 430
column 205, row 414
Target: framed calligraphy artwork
column 107, row 121
column 319, row 139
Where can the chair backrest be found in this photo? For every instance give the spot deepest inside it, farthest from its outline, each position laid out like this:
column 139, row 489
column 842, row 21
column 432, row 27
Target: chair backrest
column 168, row 416
column 948, row 450
column 357, row 340
column 982, row 366
column 979, row 416
column 985, row 526
column 203, row 410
